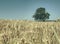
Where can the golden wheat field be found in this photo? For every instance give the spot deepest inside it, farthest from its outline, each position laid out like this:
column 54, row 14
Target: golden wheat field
column 29, row 32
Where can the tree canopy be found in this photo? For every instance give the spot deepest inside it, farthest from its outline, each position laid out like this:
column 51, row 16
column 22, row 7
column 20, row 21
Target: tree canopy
column 41, row 14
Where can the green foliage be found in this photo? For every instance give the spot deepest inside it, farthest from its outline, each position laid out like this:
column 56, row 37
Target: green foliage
column 40, row 14
column 58, row 20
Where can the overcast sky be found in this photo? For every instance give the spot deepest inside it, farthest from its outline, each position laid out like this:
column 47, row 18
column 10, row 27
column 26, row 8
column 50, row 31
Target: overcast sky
column 24, row 9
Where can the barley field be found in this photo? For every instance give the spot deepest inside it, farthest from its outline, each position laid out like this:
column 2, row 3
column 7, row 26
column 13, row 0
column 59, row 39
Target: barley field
column 29, row 32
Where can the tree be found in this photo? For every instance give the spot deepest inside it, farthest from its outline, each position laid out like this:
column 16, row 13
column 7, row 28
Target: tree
column 41, row 14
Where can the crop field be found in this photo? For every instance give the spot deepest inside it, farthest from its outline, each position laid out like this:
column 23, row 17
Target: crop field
column 29, row 32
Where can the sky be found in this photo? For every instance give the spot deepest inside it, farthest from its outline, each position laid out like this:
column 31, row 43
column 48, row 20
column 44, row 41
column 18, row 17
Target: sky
column 25, row 9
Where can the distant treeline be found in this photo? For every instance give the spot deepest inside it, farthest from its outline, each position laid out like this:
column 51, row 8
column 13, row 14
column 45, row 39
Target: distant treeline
column 58, row 20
